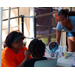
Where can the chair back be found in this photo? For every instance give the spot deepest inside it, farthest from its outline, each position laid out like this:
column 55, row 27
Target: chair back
column 46, row 63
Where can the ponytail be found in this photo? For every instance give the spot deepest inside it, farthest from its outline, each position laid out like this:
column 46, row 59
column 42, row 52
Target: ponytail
column 66, row 12
column 71, row 13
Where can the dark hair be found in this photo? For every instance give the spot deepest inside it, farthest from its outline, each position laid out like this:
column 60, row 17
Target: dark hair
column 66, row 12
column 36, row 48
column 10, row 37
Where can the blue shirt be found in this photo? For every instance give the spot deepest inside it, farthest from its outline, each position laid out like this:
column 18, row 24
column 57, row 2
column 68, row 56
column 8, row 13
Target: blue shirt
column 60, row 27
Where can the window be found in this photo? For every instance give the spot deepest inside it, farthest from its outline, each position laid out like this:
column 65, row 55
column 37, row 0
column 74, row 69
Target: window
column 12, row 20
column 8, row 23
column 45, row 23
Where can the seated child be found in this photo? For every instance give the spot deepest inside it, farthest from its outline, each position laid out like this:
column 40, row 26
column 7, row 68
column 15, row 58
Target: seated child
column 37, row 49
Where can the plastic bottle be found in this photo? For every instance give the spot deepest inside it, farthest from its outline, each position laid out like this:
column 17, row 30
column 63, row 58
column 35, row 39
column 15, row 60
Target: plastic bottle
column 65, row 52
column 60, row 51
column 57, row 53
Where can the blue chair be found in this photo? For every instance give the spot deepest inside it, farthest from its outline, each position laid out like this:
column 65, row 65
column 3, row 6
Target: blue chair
column 46, row 63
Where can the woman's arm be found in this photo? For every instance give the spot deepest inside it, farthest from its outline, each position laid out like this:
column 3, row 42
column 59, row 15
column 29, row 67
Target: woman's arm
column 26, row 53
column 58, row 36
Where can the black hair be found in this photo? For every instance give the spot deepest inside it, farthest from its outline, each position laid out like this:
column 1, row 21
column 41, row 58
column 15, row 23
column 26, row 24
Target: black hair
column 36, row 48
column 66, row 12
column 63, row 12
column 10, row 37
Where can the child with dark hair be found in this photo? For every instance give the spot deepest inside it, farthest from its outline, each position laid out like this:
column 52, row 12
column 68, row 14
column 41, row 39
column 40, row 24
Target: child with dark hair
column 36, row 49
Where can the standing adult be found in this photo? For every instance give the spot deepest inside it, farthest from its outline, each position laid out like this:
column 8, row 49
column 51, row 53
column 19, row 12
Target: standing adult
column 66, row 21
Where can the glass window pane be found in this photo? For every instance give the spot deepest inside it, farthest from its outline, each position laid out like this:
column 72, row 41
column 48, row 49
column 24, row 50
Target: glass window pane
column 41, row 30
column 48, row 39
column 14, row 29
column 46, row 20
column 4, row 34
column 44, row 10
column 14, row 13
column 45, row 25
column 13, row 7
column 5, row 7
column 5, row 14
column 5, row 24
column 53, row 38
column 45, row 40
column 14, row 22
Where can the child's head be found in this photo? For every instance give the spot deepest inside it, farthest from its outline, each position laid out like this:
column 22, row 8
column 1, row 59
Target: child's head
column 36, row 48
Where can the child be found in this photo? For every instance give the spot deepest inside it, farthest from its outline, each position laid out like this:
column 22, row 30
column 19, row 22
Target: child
column 37, row 49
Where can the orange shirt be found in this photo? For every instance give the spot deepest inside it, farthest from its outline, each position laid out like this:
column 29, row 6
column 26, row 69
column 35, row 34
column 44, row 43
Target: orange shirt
column 10, row 59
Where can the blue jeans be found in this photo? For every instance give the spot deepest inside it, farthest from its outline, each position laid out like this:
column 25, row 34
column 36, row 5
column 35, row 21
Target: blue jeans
column 70, row 34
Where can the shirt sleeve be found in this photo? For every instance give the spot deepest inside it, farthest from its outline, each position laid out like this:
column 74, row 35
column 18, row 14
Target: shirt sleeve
column 59, row 26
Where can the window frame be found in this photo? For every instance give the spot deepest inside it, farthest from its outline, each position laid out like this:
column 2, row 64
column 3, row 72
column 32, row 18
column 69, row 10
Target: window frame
column 8, row 19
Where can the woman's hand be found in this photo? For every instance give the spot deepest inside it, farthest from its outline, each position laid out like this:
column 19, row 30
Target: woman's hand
column 26, row 53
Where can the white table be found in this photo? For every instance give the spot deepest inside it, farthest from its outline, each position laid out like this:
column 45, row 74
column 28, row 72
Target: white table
column 61, row 61
column 64, row 62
